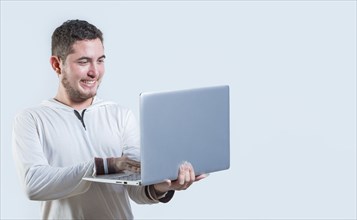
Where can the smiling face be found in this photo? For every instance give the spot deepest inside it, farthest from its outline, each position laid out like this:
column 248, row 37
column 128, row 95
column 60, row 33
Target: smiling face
column 81, row 73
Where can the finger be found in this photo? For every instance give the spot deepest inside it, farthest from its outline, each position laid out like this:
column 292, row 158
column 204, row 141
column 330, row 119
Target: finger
column 184, row 179
column 176, row 185
column 182, row 175
column 190, row 176
column 187, row 174
column 133, row 168
column 202, row 176
column 133, row 165
column 186, row 185
column 192, row 173
column 128, row 159
column 133, row 162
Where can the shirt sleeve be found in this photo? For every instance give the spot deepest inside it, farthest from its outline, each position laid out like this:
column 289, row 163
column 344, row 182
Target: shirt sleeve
column 147, row 195
column 40, row 180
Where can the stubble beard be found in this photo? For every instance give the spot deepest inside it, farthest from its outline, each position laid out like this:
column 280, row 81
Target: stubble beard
column 74, row 94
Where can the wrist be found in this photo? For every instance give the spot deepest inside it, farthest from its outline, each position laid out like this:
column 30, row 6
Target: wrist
column 152, row 194
column 159, row 192
column 111, row 165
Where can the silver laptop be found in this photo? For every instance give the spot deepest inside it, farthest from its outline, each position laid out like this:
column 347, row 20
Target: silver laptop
column 176, row 126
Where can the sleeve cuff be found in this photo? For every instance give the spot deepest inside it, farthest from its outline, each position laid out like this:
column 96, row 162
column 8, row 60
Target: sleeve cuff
column 98, row 166
column 151, row 194
column 104, row 165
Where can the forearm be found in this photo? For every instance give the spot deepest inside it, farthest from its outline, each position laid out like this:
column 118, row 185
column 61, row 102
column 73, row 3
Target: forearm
column 43, row 182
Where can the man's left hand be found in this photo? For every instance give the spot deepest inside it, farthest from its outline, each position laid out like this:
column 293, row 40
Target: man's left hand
column 186, row 177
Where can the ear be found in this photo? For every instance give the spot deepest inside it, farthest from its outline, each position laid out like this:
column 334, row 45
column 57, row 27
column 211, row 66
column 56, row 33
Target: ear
column 56, row 64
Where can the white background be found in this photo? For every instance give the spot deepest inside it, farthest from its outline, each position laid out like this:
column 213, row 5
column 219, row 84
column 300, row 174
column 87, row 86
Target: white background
column 291, row 67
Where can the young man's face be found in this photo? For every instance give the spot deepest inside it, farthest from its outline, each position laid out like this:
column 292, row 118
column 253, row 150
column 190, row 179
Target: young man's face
column 83, row 69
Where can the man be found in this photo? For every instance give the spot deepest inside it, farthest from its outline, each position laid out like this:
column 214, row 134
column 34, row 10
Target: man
column 76, row 134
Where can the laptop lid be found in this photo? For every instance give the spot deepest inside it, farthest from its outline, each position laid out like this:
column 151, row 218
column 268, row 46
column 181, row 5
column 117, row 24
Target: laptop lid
column 176, row 126
column 186, row 125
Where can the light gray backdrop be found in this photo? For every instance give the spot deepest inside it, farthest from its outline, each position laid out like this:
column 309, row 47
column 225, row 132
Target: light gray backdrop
column 291, row 66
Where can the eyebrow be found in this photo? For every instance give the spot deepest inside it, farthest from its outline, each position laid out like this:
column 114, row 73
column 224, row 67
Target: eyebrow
column 88, row 58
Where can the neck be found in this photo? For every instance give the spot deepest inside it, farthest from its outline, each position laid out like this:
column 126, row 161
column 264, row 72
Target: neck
column 77, row 105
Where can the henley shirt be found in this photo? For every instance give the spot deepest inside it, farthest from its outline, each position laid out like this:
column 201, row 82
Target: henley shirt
column 54, row 148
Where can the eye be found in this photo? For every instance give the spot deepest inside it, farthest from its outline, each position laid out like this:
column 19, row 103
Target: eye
column 82, row 62
column 101, row 61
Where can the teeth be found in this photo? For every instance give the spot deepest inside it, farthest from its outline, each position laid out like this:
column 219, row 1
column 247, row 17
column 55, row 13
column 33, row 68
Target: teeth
column 88, row 81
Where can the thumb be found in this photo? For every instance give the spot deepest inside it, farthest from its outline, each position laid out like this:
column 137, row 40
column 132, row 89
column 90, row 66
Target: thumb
column 163, row 186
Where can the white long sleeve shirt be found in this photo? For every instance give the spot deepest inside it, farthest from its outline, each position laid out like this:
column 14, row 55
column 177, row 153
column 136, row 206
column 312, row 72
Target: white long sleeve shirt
column 54, row 149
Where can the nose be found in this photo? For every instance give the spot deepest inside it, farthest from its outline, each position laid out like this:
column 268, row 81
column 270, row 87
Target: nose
column 94, row 70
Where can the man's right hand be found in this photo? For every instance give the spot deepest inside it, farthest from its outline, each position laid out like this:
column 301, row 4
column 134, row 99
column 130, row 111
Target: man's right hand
column 120, row 164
